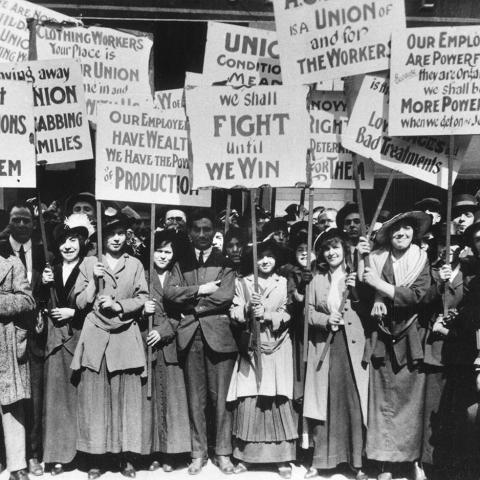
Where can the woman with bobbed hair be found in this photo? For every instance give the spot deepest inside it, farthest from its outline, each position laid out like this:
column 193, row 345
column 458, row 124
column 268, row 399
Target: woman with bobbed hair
column 336, row 392
column 399, row 278
column 64, row 324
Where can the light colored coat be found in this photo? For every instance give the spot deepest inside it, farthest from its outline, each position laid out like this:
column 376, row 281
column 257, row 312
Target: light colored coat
column 277, row 367
column 316, row 382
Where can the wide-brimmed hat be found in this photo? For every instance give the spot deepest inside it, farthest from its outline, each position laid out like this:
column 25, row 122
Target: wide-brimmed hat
column 114, row 221
column 327, row 235
column 464, row 201
column 430, row 203
column 75, row 224
column 347, row 209
column 421, row 220
column 472, row 229
column 79, row 197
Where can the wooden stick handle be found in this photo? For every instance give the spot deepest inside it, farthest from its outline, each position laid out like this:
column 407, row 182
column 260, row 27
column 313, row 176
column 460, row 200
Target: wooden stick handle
column 151, row 273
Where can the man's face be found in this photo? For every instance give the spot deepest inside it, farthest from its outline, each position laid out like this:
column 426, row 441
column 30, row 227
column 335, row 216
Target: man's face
column 351, row 225
column 462, row 220
column 21, row 224
column 86, row 208
column 176, row 220
column 327, row 220
column 201, row 233
column 280, row 237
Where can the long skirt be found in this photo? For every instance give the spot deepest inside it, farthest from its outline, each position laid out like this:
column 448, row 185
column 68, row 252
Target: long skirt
column 109, row 411
column 165, row 421
column 264, row 430
column 395, row 412
column 59, row 408
column 340, row 438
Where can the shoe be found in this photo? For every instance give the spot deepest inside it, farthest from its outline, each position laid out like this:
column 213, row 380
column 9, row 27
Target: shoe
column 94, row 473
column 384, row 476
column 196, row 466
column 224, row 464
column 35, row 467
column 19, row 475
column 128, row 470
column 167, row 468
column 240, row 467
column 418, row 472
column 361, row 475
column 312, row 472
column 57, row 469
column 154, row 466
column 285, row 471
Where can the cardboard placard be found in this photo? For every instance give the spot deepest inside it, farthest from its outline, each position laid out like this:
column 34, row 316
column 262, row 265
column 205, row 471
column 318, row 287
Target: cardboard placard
column 115, row 64
column 435, row 81
column 62, row 133
column 166, row 100
column 17, row 162
column 142, row 156
column 248, row 137
column 193, row 79
column 332, row 165
column 328, row 39
column 241, row 56
column 425, row 158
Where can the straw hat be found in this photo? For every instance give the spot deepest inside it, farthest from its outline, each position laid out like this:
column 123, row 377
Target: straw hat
column 421, row 220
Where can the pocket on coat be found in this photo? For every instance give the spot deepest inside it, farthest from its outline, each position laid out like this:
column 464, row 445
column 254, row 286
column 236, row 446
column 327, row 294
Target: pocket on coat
column 21, row 343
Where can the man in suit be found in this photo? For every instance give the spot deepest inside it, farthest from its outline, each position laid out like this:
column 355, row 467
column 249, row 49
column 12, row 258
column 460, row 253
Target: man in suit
column 19, row 243
column 200, row 290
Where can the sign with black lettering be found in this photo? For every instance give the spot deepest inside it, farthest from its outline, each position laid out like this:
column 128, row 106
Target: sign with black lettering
column 248, row 137
column 332, row 165
column 435, row 81
column 17, row 157
column 142, row 156
column 328, row 39
column 62, row 133
column 115, row 64
column 425, row 158
column 238, row 56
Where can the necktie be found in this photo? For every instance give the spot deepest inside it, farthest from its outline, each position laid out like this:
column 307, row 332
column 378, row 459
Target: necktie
column 21, row 255
column 200, row 258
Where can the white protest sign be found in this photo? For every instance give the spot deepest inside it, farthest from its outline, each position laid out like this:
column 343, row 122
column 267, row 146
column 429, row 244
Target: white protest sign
column 435, row 81
column 425, row 158
column 115, row 64
column 17, row 162
column 248, row 137
column 328, row 39
column 336, row 85
column 169, row 99
column 142, row 156
column 62, row 133
column 332, row 165
column 193, row 79
column 241, row 56
column 14, row 35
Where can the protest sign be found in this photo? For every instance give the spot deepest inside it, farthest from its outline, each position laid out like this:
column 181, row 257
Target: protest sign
column 14, row 35
column 62, row 133
column 336, row 85
column 193, row 79
column 142, row 156
column 328, row 39
column 17, row 162
column 248, row 137
column 425, row 158
column 169, row 100
column 115, row 64
column 332, row 165
column 435, row 81
column 241, row 56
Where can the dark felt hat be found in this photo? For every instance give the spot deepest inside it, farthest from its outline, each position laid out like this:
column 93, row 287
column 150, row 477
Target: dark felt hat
column 421, row 220
column 79, row 197
column 432, row 204
column 464, row 201
column 327, row 235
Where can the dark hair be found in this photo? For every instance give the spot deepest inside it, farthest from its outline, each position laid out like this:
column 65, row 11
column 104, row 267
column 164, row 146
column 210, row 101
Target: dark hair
column 332, row 242
column 235, row 232
column 410, row 222
column 247, row 260
column 200, row 213
column 21, row 204
column 164, row 237
column 82, row 241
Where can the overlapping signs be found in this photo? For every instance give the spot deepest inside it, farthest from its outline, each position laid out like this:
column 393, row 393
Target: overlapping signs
column 435, row 81
column 248, row 137
column 367, row 134
column 62, row 133
column 17, row 162
column 328, row 39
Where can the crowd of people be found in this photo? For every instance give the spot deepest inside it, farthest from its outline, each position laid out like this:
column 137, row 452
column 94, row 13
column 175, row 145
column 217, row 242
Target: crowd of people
column 390, row 381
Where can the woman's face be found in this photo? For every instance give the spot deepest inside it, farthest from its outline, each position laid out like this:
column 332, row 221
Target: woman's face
column 301, row 255
column 266, row 262
column 116, row 240
column 401, row 236
column 70, row 249
column 334, row 254
column 234, row 249
column 218, row 240
column 163, row 255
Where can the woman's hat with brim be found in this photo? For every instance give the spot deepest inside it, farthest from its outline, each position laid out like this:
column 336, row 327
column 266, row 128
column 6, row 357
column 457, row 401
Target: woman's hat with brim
column 76, row 224
column 421, row 220
column 472, row 229
column 328, row 235
column 115, row 221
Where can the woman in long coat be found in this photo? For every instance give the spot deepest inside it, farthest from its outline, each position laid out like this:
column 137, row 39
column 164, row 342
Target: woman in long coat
column 264, row 426
column 399, row 275
column 336, row 392
column 64, row 324
column 165, row 416
column 110, row 354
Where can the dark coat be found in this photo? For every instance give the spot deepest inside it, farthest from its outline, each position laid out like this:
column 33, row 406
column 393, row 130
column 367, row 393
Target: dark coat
column 208, row 312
